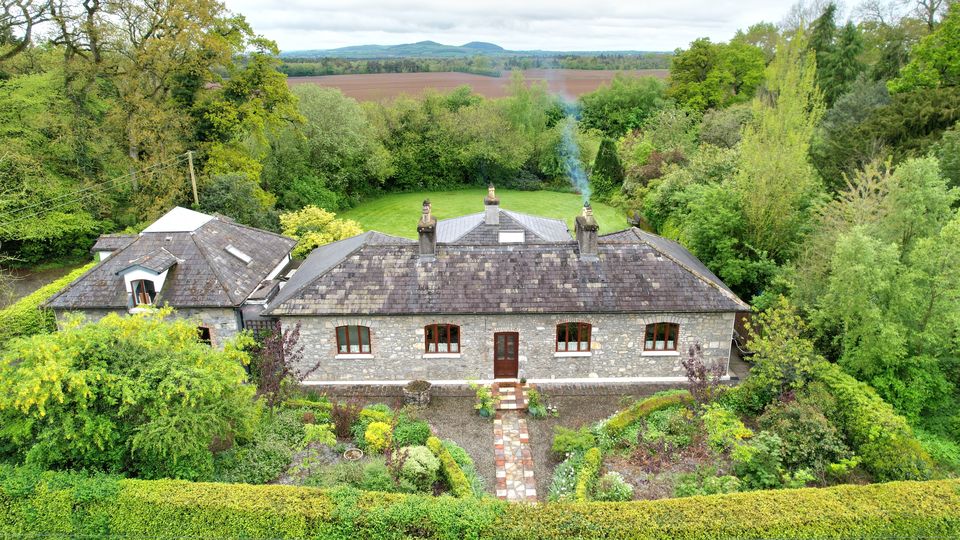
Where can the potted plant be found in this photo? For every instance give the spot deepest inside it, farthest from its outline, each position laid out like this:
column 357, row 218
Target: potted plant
column 486, row 403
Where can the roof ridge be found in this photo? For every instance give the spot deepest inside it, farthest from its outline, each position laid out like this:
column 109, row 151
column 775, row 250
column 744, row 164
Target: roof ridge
column 365, row 234
column 212, row 267
column 736, row 299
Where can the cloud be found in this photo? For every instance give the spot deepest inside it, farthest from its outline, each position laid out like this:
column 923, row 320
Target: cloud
column 513, row 24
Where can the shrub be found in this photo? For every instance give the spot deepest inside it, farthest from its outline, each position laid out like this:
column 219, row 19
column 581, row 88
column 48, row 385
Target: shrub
column 321, row 433
column 724, row 429
column 944, row 451
column 612, row 488
column 419, row 470
column 566, row 441
column 673, row 426
column 411, row 433
column 810, row 441
column 138, row 394
column 371, row 475
column 459, row 485
column 257, row 463
column 377, row 437
column 70, row 505
column 486, row 404
column 564, row 482
column 620, row 421
column 26, row 317
column 344, row 415
column 535, row 406
column 372, row 413
column 758, row 463
column 705, row 482
column 320, row 409
column 465, row 462
column 881, row 437
column 587, row 476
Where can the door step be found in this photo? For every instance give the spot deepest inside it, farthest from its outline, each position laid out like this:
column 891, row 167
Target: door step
column 512, row 396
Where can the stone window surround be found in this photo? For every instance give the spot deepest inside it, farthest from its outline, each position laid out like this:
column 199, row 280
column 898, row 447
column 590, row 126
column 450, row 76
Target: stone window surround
column 568, row 354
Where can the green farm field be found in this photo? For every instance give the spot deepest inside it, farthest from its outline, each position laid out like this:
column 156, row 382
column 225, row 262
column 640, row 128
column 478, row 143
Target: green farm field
column 397, row 214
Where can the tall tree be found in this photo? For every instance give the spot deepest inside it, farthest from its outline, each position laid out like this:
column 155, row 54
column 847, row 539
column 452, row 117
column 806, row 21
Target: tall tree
column 935, row 61
column 777, row 183
column 709, row 75
column 607, row 173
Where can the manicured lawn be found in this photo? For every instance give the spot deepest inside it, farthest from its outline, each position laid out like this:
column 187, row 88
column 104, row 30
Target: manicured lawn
column 397, row 214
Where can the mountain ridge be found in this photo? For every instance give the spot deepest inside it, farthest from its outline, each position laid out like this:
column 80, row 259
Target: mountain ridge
column 433, row 49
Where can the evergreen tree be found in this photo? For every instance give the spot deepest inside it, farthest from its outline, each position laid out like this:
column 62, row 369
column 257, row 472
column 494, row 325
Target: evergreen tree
column 607, row 172
column 842, row 66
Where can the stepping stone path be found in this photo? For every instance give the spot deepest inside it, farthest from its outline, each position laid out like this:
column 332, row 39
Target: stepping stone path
column 511, row 443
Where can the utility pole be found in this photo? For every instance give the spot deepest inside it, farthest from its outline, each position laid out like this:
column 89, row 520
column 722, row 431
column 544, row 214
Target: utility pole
column 193, row 178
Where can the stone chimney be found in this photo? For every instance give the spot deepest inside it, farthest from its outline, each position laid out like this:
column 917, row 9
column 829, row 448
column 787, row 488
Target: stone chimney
column 427, row 229
column 586, row 230
column 491, row 206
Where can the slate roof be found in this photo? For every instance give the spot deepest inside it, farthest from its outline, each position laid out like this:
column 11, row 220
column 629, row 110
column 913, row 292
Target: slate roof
column 205, row 274
column 471, row 229
column 112, row 242
column 633, row 273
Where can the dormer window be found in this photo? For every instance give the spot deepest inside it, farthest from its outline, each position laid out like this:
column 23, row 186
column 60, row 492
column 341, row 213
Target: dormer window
column 144, row 292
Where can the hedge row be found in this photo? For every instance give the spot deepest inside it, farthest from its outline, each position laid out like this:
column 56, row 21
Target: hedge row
column 26, row 317
column 587, row 475
column 881, row 437
column 57, row 505
column 642, row 408
column 452, row 473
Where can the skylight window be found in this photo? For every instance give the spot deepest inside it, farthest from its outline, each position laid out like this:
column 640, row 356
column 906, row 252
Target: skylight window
column 238, row 254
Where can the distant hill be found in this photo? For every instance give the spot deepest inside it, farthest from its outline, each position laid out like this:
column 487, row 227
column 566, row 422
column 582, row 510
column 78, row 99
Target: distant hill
column 432, row 49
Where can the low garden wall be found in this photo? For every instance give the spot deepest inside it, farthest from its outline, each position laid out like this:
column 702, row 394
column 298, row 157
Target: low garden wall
column 51, row 504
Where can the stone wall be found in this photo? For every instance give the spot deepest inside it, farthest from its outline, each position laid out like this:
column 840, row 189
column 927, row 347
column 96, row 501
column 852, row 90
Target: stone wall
column 397, row 344
column 221, row 321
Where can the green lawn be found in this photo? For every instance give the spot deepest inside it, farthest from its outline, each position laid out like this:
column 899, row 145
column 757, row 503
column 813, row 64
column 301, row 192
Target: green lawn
column 397, row 214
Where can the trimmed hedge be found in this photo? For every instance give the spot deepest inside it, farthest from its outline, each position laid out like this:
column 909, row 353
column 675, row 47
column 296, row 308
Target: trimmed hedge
column 881, row 437
column 588, row 473
column 26, row 317
column 60, row 504
column 620, row 421
column 452, row 473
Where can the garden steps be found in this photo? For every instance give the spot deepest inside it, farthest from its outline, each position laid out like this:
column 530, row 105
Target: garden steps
column 510, row 396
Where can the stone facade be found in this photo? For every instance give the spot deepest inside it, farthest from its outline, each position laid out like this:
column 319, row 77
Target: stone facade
column 223, row 322
column 397, row 347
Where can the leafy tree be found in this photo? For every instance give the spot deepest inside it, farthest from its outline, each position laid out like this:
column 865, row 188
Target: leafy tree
column 621, row 105
column 948, row 152
column 136, row 394
column 935, row 61
column 775, row 180
column 763, row 35
column 314, row 227
column 711, row 75
column 784, row 358
column 607, row 174
column 723, row 127
column 239, row 198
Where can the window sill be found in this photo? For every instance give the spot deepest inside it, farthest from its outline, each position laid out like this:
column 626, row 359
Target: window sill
column 572, row 354
column 442, row 355
column 660, row 353
column 142, row 308
column 355, row 356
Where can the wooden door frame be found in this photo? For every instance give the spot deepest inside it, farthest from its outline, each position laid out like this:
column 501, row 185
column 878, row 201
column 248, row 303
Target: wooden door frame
column 515, row 356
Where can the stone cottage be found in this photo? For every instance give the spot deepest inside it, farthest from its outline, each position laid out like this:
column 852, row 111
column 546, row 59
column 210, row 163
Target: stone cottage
column 503, row 295
column 208, row 268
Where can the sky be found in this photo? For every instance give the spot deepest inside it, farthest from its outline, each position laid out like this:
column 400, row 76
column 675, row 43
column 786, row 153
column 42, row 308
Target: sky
column 513, row 24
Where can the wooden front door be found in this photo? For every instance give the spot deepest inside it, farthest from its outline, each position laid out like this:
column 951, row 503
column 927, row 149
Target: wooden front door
column 505, row 346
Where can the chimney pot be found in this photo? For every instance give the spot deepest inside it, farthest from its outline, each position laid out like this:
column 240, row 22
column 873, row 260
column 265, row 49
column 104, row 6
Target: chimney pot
column 491, row 207
column 586, row 228
column 427, row 231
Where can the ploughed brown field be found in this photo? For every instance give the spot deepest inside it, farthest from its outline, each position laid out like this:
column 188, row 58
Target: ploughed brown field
column 381, row 86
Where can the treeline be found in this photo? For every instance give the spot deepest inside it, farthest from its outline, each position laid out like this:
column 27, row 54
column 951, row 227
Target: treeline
column 813, row 167
column 481, row 64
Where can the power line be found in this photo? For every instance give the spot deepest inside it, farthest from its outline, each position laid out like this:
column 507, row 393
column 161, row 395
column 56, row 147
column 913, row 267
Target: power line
column 84, row 193
column 158, row 166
